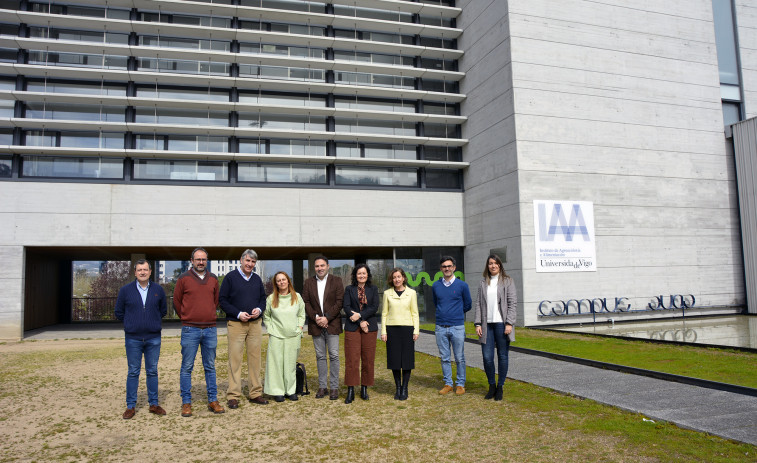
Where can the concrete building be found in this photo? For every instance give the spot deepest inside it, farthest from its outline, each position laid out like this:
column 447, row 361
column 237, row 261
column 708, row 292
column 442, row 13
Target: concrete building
column 383, row 129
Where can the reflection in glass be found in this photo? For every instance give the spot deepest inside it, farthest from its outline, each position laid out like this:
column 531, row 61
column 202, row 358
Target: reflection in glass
column 71, row 167
column 285, row 173
column 157, row 169
column 77, row 60
column 6, row 165
column 67, row 111
column 448, row 179
column 182, row 117
column 95, row 88
column 392, row 176
column 104, row 140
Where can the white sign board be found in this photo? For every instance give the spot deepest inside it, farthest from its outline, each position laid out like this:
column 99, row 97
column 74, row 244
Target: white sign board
column 564, row 236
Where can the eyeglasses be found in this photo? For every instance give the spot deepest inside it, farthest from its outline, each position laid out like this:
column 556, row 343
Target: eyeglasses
column 201, row 260
column 447, row 266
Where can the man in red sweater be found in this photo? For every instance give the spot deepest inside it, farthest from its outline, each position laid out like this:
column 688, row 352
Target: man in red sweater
column 195, row 299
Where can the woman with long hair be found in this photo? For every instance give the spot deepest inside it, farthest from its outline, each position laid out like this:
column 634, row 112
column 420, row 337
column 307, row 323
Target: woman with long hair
column 494, row 320
column 400, row 329
column 361, row 302
column 284, row 317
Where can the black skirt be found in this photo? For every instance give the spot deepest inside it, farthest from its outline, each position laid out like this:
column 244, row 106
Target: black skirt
column 400, row 348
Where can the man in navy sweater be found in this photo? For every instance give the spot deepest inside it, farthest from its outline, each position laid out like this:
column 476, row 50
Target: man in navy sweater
column 451, row 299
column 242, row 297
column 140, row 306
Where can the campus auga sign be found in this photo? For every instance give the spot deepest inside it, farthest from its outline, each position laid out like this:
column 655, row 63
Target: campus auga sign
column 619, row 304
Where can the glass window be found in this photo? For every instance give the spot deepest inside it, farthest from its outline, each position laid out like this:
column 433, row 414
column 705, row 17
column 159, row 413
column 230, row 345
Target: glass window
column 371, row 150
column 441, row 130
column 6, row 166
column 104, row 140
column 72, row 167
column 184, row 66
column 285, row 173
column 9, row 29
column 94, row 88
column 302, row 29
column 6, row 136
column 282, row 99
column 157, row 169
column 375, row 105
column 437, row 42
column 374, row 36
column 8, row 55
column 281, row 121
column 297, row 147
column 437, row 21
column 449, row 179
column 392, row 176
column 292, row 5
column 7, row 108
column 442, row 153
column 40, row 138
column 386, row 15
column 373, row 58
column 725, row 42
column 450, row 109
column 731, row 113
column 187, row 43
column 182, row 143
column 372, row 126
column 78, row 35
column 182, row 117
column 182, row 94
column 281, row 50
column 77, row 60
column 279, row 72
column 60, row 111
column 443, row 86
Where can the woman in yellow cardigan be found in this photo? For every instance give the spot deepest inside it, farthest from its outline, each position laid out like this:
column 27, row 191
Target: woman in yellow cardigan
column 399, row 329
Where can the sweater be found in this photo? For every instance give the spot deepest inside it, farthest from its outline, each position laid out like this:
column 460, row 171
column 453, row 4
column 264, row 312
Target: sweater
column 240, row 295
column 286, row 320
column 141, row 321
column 195, row 299
column 451, row 302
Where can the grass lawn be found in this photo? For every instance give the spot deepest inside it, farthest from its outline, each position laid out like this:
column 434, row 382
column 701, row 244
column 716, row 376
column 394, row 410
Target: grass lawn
column 715, row 364
column 62, row 401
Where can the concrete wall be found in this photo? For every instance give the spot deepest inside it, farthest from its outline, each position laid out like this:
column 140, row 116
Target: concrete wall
column 101, row 215
column 618, row 105
column 492, row 217
column 746, row 21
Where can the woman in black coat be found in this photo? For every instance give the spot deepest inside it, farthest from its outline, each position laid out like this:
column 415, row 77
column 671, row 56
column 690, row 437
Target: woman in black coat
column 361, row 302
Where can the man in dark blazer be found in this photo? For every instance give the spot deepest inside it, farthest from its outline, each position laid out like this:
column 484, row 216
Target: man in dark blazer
column 323, row 295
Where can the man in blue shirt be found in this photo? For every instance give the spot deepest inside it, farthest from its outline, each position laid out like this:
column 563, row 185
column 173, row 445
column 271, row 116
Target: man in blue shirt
column 140, row 306
column 451, row 299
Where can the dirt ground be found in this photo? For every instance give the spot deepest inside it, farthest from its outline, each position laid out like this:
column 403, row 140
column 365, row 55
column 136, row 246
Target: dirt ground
column 63, row 400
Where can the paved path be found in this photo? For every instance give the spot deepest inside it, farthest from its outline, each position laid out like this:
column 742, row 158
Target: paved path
column 725, row 414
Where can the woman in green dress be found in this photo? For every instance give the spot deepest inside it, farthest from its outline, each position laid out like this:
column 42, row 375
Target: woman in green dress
column 284, row 317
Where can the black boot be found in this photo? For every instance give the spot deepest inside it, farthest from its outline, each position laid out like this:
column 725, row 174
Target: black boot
column 492, row 390
column 498, row 393
column 397, row 384
column 350, row 394
column 405, row 382
column 364, row 392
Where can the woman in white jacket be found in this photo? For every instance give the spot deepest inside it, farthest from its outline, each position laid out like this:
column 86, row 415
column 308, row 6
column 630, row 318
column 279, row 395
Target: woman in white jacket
column 494, row 320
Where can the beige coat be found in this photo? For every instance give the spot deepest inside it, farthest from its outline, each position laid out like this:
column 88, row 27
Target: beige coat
column 507, row 300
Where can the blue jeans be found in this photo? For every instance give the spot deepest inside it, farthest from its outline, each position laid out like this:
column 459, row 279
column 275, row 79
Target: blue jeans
column 135, row 348
column 495, row 337
column 206, row 338
column 454, row 336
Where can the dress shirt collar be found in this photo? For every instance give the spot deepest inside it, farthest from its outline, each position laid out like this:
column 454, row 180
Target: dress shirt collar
column 448, row 283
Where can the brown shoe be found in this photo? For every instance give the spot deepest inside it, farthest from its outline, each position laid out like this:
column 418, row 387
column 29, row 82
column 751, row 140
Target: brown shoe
column 259, row 400
column 129, row 413
column 232, row 404
column 321, row 393
column 445, row 390
column 186, row 410
column 334, row 395
column 459, row 390
column 216, row 408
column 157, row 409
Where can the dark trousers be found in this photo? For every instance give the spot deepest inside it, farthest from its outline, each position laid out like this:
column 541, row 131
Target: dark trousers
column 496, row 337
column 359, row 356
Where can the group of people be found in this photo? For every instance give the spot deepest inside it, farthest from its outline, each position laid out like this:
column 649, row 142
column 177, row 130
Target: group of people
column 323, row 303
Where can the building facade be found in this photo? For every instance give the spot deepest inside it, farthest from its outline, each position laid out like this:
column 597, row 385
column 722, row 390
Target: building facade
column 382, row 129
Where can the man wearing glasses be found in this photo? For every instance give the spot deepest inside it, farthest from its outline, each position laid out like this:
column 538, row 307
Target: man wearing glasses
column 243, row 299
column 195, row 299
column 451, row 299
